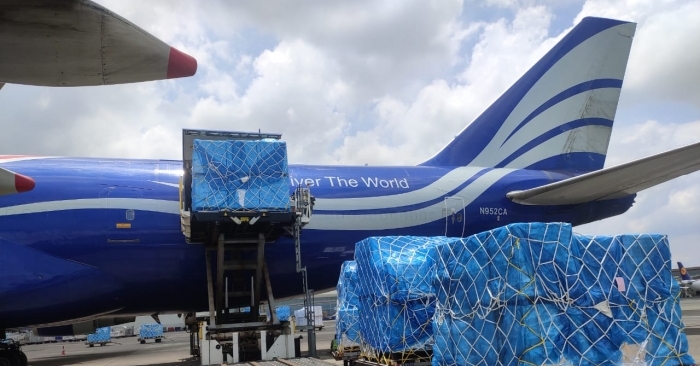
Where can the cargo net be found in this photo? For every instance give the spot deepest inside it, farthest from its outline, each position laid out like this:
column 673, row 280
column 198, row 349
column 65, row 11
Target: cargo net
column 240, row 175
column 397, row 299
column 348, row 315
column 537, row 294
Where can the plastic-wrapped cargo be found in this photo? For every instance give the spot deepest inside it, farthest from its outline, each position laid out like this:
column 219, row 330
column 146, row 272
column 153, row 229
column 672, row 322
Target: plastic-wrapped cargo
column 348, row 319
column 300, row 317
column 240, row 175
column 634, row 272
column 508, row 284
column 283, row 313
column 150, row 331
column 101, row 336
column 539, row 294
column 397, row 299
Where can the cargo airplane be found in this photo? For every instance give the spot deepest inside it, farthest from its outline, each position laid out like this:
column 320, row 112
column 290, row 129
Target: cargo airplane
column 688, row 282
column 536, row 154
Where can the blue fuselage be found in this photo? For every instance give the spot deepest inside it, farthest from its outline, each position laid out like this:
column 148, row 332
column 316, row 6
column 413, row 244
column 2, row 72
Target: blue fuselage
column 63, row 256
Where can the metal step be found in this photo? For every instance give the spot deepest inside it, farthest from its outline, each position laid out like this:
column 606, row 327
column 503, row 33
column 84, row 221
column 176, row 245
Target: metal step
column 240, row 265
column 239, row 294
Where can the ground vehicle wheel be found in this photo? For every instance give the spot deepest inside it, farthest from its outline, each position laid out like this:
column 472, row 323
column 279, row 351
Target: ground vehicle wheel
column 4, row 361
column 92, row 345
column 157, row 340
column 143, row 342
column 11, row 358
column 22, row 359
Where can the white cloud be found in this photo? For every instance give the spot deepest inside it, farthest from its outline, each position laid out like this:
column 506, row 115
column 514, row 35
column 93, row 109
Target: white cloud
column 408, row 132
column 664, row 58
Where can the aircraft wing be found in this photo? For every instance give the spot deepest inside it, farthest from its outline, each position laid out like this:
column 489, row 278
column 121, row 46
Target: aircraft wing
column 614, row 182
column 80, row 43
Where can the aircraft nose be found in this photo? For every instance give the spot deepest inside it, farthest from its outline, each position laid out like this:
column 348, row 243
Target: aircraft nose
column 180, row 64
column 23, row 183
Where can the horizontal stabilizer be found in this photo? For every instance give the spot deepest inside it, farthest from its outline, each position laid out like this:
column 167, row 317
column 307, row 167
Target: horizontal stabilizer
column 615, row 182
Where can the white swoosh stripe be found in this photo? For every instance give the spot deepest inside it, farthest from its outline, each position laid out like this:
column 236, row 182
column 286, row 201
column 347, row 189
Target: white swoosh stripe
column 583, row 139
column 404, row 219
column 175, row 185
column 142, row 204
column 445, row 184
column 563, row 112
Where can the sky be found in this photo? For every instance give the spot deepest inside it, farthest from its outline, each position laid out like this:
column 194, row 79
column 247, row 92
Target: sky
column 379, row 82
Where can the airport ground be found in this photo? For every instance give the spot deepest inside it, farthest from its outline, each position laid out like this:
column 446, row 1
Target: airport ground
column 174, row 350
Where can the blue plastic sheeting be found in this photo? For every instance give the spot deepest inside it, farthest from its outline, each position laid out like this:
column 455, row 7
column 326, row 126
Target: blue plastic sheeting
column 240, row 175
column 101, row 335
column 348, row 318
column 668, row 344
column 397, row 299
column 634, row 272
column 283, row 313
column 149, row 331
column 539, row 294
column 494, row 284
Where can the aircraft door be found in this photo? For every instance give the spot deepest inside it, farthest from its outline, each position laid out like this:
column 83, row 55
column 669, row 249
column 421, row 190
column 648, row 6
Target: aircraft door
column 121, row 204
column 454, row 216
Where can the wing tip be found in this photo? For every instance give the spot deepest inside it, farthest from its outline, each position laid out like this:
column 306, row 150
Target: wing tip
column 23, row 183
column 180, row 64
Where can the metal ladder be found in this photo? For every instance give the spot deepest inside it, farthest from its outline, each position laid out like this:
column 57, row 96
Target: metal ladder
column 305, row 203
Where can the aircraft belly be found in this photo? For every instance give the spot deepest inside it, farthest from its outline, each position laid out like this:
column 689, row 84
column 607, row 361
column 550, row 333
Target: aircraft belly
column 38, row 288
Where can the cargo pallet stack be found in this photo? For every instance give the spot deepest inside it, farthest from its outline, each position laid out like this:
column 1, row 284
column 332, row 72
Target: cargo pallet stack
column 150, row 331
column 102, row 336
column 529, row 293
column 234, row 199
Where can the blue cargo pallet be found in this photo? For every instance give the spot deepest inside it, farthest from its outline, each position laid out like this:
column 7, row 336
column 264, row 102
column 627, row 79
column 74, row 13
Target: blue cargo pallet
column 150, row 331
column 101, row 336
column 240, row 175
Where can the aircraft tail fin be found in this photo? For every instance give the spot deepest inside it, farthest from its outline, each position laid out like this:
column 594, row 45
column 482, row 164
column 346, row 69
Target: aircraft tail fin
column 684, row 273
column 559, row 115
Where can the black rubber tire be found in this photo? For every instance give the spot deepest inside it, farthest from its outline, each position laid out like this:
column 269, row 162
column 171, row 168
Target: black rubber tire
column 4, row 361
column 11, row 357
column 143, row 342
column 92, row 345
column 158, row 340
column 23, row 359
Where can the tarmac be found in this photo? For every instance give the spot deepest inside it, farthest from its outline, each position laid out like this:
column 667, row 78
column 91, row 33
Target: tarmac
column 174, row 349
